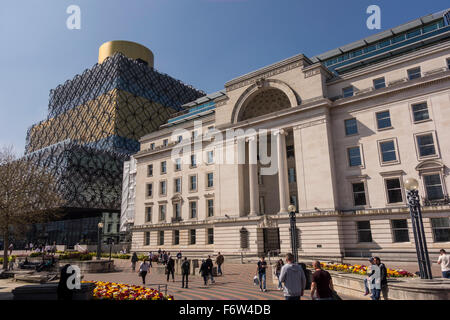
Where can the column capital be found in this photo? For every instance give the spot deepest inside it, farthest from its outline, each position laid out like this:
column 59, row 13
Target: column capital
column 279, row 132
column 251, row 138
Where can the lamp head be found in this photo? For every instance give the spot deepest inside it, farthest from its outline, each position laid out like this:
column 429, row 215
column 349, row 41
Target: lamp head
column 411, row 184
column 292, row 208
column 100, row 225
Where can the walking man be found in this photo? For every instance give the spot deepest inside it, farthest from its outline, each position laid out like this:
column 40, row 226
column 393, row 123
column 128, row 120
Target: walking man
column 210, row 266
column 219, row 261
column 322, row 284
column 278, row 267
column 11, row 247
column 293, row 278
column 261, row 271
column 204, row 272
column 170, row 268
column 444, row 261
column 185, row 266
column 134, row 259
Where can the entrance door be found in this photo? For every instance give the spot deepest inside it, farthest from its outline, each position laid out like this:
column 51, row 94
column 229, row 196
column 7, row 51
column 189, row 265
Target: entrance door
column 271, row 238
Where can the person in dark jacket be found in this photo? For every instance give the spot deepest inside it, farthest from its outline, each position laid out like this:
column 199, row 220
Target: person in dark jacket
column 204, row 271
column 134, row 259
column 63, row 292
column 185, row 266
column 278, row 267
column 170, row 268
column 210, row 268
column 383, row 276
column 219, row 261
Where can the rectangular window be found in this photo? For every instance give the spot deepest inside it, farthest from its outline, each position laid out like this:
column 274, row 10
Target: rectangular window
column 109, row 227
column 192, row 236
column 149, row 189
column 354, row 157
column 394, row 190
column 150, row 170
column 179, row 139
column 293, row 200
column 210, row 157
column 210, row 179
column 433, row 187
column 383, row 120
column 350, row 127
column 379, row 83
column 162, row 188
column 441, row 229
column 193, row 183
column 448, row 63
column 347, row 92
column 193, row 209
column 420, row 112
column 152, row 146
column 425, row 143
column 165, row 142
column 177, row 210
column 210, row 204
column 400, row 230
column 291, row 175
column 262, row 207
column 176, row 237
column 177, row 164
column 163, row 167
column 210, row 236
column 177, row 185
column 388, row 153
column 148, row 215
column 161, row 238
column 162, row 212
column 359, row 194
column 414, row 73
column 364, row 232
column 147, row 238
column 193, row 161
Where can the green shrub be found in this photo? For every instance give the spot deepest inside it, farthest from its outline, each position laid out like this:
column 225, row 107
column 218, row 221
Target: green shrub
column 36, row 254
column 75, row 256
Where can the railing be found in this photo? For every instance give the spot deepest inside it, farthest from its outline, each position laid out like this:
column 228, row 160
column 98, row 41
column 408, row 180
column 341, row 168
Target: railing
column 176, row 219
column 153, row 285
column 440, row 202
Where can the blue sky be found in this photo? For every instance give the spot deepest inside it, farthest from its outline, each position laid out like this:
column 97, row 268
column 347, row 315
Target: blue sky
column 201, row 42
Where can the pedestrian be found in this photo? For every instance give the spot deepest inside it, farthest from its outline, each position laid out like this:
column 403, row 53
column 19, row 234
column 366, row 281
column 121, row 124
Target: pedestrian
column 54, row 248
column 170, row 268
column 143, row 269
column 134, row 259
column 322, row 284
column 261, row 272
column 11, row 248
column 150, row 258
column 185, row 266
column 383, row 277
column 369, row 271
column 219, row 261
column 179, row 256
column 293, row 278
column 204, row 272
column 166, row 257
column 210, row 265
column 278, row 267
column 444, row 261
column 374, row 281
column 26, row 247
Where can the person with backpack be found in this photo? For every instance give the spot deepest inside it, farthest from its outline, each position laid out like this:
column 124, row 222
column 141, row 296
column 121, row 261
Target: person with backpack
column 219, row 261
column 134, row 259
column 185, row 266
column 293, row 278
column 322, row 284
column 143, row 269
column 170, row 268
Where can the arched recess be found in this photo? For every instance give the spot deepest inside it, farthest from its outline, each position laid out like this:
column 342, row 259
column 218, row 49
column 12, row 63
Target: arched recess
column 259, row 87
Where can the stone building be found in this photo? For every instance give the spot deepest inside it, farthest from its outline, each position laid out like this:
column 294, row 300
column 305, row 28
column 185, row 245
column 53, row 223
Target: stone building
column 344, row 129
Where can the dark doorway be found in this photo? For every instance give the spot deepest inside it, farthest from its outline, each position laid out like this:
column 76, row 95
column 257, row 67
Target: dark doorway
column 271, row 238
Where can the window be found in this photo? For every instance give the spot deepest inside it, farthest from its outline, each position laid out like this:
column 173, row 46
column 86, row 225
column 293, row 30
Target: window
column 347, row 92
column 150, row 170
column 177, row 210
column 244, row 236
column 425, row 144
column 354, row 157
column 149, row 189
column 163, row 167
column 394, row 190
column 383, row 120
column 293, row 200
column 193, row 161
column 210, row 157
column 210, row 236
column 388, row 153
column 176, row 237
column 152, row 146
column 148, row 214
column 359, row 194
column 192, row 236
column 364, row 232
column 165, row 142
column 210, row 205
column 400, row 230
column 192, row 183
column 193, row 209
column 177, row 185
column 162, row 188
column 420, row 112
column 109, row 227
column 177, row 164
column 441, row 229
column 210, row 180
column 147, row 238
column 262, row 207
column 379, row 83
column 179, row 139
column 350, row 127
column 448, row 63
column 291, row 175
column 433, row 187
column 414, row 73
column 162, row 212
column 161, row 238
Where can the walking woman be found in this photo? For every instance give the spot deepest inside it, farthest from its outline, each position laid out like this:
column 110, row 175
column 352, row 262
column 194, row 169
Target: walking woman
column 278, row 267
column 134, row 259
column 143, row 269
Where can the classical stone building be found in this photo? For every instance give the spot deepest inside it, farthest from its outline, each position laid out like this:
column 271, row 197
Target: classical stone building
column 345, row 129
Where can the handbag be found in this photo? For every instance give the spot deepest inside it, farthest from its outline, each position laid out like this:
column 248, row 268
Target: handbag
column 255, row 281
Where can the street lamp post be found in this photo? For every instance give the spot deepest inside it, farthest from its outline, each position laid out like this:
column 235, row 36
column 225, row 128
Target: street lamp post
column 294, row 244
column 412, row 194
column 99, row 244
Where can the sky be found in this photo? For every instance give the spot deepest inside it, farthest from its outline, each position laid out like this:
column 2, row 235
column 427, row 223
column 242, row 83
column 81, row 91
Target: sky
column 204, row 43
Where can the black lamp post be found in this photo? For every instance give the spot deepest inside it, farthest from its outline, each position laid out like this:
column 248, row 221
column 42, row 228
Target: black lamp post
column 99, row 243
column 423, row 258
column 294, row 244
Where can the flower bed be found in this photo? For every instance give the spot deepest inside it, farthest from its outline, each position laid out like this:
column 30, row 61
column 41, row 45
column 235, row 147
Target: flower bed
column 117, row 291
column 362, row 270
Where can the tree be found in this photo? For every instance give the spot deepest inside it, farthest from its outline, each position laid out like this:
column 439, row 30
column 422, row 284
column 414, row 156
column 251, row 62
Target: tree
column 28, row 194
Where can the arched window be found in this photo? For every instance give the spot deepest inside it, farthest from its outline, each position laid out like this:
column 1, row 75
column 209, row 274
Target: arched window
column 244, row 238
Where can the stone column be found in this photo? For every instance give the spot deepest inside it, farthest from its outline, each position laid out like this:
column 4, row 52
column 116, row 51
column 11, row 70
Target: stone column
column 253, row 175
column 282, row 170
